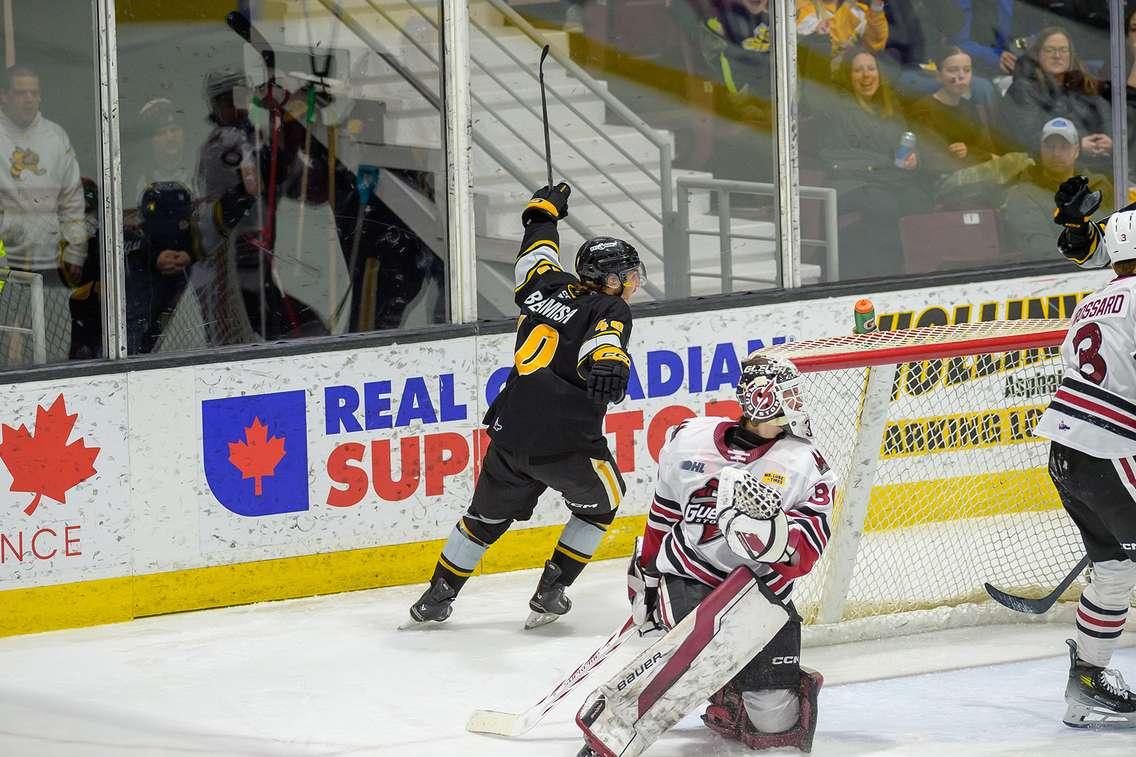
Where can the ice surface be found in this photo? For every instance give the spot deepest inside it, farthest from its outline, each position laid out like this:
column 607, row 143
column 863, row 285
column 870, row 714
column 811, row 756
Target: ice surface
column 331, row 676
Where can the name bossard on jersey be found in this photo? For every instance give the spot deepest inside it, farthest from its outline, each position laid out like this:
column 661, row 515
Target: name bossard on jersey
column 538, row 304
column 1115, row 305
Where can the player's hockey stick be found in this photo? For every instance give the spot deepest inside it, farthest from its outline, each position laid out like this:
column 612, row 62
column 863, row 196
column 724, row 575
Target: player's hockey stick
column 513, row 724
column 544, row 110
column 1037, row 606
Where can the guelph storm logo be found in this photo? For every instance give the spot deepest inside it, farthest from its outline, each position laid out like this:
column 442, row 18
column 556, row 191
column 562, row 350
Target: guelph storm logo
column 702, row 508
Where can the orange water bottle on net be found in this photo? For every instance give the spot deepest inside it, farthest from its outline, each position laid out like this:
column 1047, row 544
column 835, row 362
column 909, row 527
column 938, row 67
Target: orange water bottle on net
column 865, row 313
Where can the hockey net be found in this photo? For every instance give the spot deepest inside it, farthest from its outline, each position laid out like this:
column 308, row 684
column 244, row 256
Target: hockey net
column 942, row 485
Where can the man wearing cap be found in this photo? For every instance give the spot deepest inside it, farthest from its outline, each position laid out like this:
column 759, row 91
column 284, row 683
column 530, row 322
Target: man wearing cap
column 41, row 196
column 1028, row 210
column 163, row 156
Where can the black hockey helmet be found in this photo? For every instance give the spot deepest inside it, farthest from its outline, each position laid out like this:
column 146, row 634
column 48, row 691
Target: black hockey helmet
column 600, row 257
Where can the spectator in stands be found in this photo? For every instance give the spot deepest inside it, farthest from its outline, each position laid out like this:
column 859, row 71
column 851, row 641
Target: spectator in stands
column 163, row 156
column 733, row 39
column 1027, row 215
column 845, row 24
column 734, row 42
column 985, row 34
column 907, row 48
column 952, row 130
column 1130, row 84
column 42, row 201
column 858, row 143
column 1050, row 81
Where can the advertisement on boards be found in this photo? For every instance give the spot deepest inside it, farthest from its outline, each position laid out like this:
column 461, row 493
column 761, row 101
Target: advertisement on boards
column 342, row 450
column 64, row 514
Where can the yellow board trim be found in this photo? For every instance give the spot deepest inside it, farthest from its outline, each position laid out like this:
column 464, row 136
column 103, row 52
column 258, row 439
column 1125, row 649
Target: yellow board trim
column 114, row 600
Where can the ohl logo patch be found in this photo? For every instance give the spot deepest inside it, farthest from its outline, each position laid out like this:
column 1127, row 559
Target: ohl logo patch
column 255, row 452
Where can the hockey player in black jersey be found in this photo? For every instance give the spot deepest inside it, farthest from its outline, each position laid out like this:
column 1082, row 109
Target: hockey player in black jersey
column 1081, row 239
column 546, row 425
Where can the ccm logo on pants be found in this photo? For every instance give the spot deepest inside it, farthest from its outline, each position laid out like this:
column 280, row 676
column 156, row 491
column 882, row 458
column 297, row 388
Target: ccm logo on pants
column 786, row 660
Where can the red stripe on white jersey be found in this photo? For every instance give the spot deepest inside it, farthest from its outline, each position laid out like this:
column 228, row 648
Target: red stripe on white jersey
column 1096, row 407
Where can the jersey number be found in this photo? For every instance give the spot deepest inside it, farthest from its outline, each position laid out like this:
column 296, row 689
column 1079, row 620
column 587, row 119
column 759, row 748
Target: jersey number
column 537, row 350
column 1087, row 342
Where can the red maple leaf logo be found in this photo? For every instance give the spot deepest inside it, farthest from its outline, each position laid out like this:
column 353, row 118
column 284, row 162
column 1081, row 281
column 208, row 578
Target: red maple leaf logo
column 43, row 463
column 258, row 455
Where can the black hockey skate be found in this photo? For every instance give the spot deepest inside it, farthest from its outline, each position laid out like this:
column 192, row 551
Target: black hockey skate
column 1097, row 697
column 434, row 604
column 549, row 602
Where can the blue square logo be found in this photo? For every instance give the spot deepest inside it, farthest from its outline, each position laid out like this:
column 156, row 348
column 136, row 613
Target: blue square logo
column 255, row 452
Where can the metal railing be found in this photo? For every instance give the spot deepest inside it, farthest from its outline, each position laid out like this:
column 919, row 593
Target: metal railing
column 679, row 271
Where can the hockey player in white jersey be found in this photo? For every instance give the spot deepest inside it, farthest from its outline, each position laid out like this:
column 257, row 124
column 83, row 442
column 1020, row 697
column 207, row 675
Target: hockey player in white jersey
column 1091, row 423
column 740, row 511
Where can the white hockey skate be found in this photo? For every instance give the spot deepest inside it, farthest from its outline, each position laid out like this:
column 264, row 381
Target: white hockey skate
column 1097, row 697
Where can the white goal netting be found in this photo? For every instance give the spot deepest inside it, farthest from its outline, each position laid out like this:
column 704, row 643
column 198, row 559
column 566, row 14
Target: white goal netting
column 942, row 485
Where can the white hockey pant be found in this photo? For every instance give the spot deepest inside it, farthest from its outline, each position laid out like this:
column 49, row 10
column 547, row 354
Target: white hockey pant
column 696, row 658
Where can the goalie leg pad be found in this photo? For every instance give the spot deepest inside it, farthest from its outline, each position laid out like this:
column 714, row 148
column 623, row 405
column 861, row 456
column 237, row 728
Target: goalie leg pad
column 666, row 681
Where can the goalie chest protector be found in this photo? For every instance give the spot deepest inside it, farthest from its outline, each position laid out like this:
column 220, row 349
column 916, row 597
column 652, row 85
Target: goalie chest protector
column 687, row 487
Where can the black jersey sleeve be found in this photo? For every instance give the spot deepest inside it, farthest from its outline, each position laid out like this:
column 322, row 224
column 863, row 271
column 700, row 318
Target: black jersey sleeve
column 1084, row 245
column 607, row 336
column 539, row 256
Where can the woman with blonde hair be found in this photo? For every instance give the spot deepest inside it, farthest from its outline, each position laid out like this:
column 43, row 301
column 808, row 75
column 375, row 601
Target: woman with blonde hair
column 860, row 150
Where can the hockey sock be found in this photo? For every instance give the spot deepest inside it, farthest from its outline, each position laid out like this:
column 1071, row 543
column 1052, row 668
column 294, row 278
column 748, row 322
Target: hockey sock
column 467, row 543
column 1103, row 610
column 578, row 542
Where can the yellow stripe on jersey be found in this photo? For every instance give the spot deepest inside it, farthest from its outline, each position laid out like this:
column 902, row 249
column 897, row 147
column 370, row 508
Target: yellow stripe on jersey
column 569, row 552
column 539, row 243
column 545, row 205
column 543, row 266
column 610, row 482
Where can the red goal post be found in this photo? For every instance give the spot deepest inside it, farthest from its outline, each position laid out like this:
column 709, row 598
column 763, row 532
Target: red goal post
column 942, row 485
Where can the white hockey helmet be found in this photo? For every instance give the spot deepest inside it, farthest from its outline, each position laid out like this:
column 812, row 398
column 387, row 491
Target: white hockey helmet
column 769, row 390
column 1120, row 236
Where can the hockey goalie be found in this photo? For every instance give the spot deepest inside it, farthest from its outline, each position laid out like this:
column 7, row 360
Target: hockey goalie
column 741, row 511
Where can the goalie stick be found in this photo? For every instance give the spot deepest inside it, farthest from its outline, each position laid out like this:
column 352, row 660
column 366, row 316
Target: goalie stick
column 515, row 724
column 1036, row 606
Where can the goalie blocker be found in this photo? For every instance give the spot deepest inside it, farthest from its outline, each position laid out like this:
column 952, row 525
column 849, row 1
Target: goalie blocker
column 736, row 644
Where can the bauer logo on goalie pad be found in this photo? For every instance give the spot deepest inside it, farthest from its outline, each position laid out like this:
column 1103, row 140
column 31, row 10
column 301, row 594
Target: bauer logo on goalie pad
column 638, row 671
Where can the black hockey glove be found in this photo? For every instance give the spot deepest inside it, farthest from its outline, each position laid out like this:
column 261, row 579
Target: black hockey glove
column 547, row 204
column 1075, row 203
column 607, row 381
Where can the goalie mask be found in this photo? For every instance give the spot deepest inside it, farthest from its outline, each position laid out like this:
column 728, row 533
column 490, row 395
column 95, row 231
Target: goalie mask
column 769, row 391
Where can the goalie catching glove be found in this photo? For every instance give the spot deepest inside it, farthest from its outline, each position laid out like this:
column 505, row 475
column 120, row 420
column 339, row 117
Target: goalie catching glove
column 751, row 518
column 547, row 204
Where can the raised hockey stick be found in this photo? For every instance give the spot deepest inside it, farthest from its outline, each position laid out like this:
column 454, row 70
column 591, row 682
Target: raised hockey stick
column 1037, row 606
column 544, row 110
column 515, row 724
